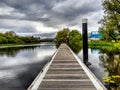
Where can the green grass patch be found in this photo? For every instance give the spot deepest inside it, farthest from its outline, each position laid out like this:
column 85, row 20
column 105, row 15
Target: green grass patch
column 102, row 45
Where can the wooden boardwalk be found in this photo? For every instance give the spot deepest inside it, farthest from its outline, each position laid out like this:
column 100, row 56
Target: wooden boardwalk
column 65, row 73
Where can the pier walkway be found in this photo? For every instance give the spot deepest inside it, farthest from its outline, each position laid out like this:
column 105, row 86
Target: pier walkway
column 66, row 72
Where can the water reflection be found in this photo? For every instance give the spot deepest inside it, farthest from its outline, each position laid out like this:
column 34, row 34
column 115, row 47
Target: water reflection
column 106, row 66
column 75, row 47
column 20, row 65
column 111, row 63
column 12, row 51
column 95, row 51
column 93, row 58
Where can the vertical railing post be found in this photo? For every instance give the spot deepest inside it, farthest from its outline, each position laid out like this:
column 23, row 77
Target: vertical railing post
column 85, row 40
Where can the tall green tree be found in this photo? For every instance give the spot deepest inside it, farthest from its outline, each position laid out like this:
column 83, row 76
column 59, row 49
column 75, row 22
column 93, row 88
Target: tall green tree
column 62, row 36
column 110, row 24
column 75, row 40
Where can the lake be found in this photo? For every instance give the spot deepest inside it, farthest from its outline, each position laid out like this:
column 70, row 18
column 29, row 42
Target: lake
column 20, row 65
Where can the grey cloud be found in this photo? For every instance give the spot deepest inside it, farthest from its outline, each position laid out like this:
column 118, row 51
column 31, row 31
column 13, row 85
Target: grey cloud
column 68, row 13
column 18, row 27
column 52, row 13
column 25, row 30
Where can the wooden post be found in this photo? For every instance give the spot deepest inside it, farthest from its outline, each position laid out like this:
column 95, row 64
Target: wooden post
column 85, row 41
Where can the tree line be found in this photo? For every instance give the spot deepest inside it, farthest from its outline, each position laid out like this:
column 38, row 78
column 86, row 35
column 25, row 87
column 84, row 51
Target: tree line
column 11, row 38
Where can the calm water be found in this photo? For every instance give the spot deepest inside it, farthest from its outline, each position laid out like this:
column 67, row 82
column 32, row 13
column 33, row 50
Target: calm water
column 106, row 66
column 19, row 66
column 95, row 61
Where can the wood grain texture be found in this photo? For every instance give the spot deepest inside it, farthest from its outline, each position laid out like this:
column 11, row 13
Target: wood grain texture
column 65, row 73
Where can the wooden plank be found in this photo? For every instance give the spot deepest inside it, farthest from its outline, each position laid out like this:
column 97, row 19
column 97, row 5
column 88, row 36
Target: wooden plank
column 60, row 61
column 66, row 77
column 65, row 66
column 65, row 71
column 67, row 88
column 82, row 80
column 67, row 82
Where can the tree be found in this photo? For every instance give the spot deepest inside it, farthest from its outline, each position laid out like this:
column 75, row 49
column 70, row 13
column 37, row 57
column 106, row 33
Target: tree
column 10, row 33
column 62, row 36
column 110, row 24
column 72, row 38
column 75, row 40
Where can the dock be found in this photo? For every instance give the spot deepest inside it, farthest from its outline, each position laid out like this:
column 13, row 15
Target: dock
column 66, row 71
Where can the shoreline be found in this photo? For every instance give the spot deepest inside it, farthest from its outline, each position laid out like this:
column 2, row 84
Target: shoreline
column 24, row 45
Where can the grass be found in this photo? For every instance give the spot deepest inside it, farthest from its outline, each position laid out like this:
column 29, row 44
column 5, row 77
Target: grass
column 104, row 45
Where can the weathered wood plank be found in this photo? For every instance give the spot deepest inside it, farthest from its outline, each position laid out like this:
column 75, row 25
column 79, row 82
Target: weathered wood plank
column 67, row 88
column 65, row 66
column 60, row 61
column 65, row 71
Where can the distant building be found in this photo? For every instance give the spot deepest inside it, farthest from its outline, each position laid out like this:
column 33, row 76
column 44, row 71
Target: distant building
column 94, row 35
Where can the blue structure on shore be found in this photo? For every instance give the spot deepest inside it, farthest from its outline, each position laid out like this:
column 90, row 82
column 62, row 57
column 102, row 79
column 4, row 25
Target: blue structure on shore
column 95, row 35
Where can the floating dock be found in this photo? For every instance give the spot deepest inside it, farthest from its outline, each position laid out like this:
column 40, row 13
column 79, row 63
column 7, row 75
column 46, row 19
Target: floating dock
column 66, row 72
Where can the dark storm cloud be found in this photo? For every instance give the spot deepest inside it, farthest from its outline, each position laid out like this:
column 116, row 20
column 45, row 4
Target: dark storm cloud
column 52, row 13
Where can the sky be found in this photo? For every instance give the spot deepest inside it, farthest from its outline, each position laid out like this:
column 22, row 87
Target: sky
column 47, row 16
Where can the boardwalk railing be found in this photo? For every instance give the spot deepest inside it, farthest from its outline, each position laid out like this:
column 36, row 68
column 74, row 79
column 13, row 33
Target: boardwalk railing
column 66, row 72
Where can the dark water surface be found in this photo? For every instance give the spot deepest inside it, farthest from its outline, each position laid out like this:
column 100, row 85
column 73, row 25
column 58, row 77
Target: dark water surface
column 106, row 66
column 20, row 65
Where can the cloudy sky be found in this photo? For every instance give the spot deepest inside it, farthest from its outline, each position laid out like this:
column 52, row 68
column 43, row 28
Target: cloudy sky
column 36, row 16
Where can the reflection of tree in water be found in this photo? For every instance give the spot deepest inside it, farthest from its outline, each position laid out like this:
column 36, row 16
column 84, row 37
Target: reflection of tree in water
column 76, row 48
column 12, row 51
column 111, row 63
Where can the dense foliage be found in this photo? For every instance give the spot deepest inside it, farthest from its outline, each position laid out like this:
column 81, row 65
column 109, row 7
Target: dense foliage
column 72, row 38
column 62, row 36
column 12, row 38
column 110, row 24
column 75, row 40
